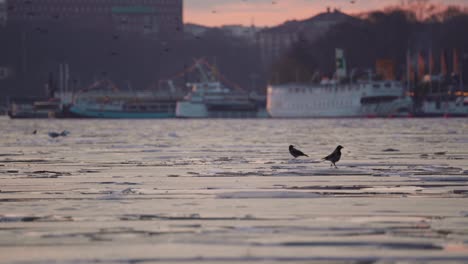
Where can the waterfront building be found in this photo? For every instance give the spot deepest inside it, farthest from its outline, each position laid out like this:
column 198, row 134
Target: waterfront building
column 149, row 17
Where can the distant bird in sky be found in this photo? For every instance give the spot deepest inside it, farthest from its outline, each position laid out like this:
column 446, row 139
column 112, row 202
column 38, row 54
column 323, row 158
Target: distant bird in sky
column 335, row 156
column 295, row 152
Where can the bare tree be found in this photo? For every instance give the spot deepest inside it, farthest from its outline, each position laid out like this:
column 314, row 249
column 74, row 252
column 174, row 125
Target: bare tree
column 422, row 8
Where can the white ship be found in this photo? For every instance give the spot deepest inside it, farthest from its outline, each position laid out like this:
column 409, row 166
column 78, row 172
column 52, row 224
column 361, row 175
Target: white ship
column 330, row 99
column 333, row 98
column 211, row 99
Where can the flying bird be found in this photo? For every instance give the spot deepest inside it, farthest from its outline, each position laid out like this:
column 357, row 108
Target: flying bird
column 335, row 156
column 295, row 152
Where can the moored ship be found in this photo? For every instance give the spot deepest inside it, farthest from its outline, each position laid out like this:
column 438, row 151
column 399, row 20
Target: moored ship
column 34, row 108
column 456, row 106
column 339, row 97
column 123, row 104
column 445, row 97
column 213, row 100
column 438, row 92
column 210, row 98
column 332, row 99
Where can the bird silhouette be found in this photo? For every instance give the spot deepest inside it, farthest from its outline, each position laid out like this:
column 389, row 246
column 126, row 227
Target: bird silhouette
column 64, row 133
column 295, row 152
column 334, row 156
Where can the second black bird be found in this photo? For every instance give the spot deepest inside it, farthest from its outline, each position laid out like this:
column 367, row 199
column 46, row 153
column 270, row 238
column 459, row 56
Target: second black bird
column 335, row 156
column 295, row 152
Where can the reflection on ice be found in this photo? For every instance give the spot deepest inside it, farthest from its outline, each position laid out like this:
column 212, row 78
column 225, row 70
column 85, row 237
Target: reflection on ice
column 267, row 195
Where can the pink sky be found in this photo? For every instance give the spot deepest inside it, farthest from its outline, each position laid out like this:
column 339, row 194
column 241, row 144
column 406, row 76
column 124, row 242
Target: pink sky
column 273, row 12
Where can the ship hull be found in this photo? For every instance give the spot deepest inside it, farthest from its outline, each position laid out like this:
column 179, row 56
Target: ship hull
column 90, row 113
column 31, row 115
column 351, row 101
column 29, row 108
column 121, row 106
column 188, row 109
column 434, row 108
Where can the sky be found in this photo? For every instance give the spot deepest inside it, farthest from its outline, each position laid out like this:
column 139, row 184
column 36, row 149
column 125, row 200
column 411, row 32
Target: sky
column 274, row 12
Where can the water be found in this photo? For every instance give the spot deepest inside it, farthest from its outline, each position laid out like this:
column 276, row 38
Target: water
column 227, row 191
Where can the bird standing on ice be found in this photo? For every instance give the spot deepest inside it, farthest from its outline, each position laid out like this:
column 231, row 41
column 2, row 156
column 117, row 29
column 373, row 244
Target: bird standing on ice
column 295, row 152
column 64, row 133
column 335, row 156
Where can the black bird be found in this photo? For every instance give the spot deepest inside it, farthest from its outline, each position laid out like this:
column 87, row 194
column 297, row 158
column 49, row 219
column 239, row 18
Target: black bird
column 64, row 133
column 335, row 156
column 295, row 152
column 54, row 134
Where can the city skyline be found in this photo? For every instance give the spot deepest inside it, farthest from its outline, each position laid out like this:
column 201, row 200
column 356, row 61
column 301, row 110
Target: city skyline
column 274, row 12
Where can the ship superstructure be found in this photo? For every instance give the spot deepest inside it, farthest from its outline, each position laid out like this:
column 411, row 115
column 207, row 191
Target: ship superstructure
column 337, row 98
column 210, row 98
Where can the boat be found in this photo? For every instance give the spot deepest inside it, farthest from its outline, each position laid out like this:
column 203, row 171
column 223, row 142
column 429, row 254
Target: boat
column 440, row 93
column 334, row 99
column 213, row 100
column 456, row 106
column 339, row 96
column 34, row 108
column 446, row 98
column 123, row 104
column 210, row 98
